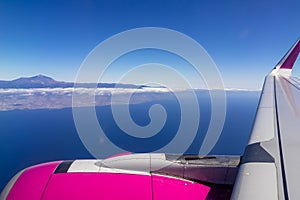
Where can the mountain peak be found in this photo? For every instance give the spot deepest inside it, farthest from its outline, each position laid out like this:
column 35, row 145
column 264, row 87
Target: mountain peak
column 42, row 81
column 41, row 78
column 38, row 81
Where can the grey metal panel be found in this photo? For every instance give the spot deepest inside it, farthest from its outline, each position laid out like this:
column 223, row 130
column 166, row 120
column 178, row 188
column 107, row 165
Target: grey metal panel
column 211, row 169
column 84, row 166
column 257, row 176
column 282, row 119
column 263, row 129
column 288, row 107
column 256, row 181
column 216, row 175
column 260, row 167
column 135, row 162
column 272, row 147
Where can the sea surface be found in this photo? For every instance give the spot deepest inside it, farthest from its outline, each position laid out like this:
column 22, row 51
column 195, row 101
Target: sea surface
column 29, row 137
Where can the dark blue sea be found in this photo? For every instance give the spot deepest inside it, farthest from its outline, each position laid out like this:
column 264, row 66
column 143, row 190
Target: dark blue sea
column 29, row 137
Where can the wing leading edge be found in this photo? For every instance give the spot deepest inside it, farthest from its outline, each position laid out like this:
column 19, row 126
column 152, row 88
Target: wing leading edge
column 270, row 166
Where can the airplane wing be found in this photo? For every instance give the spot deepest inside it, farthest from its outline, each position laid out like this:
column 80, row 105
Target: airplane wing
column 270, row 167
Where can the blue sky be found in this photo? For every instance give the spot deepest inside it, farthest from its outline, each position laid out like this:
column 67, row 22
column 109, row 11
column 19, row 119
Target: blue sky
column 244, row 38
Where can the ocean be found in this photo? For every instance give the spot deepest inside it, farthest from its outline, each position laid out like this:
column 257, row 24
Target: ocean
column 29, row 137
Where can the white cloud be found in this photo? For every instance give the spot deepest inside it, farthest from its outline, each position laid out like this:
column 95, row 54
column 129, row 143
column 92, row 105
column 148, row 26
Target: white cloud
column 97, row 91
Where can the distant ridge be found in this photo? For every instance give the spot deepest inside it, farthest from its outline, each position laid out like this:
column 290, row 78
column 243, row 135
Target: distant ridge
column 41, row 81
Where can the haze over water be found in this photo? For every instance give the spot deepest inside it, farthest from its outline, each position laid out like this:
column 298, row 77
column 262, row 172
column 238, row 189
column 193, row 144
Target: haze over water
column 29, row 137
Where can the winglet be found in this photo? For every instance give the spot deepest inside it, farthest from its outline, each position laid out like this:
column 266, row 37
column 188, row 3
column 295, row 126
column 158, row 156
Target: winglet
column 288, row 61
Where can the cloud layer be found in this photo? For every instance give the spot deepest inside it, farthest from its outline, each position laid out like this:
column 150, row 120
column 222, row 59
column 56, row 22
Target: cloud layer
column 51, row 98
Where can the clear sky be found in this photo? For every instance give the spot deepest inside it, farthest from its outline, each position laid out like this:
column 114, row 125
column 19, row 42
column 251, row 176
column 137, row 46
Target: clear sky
column 244, row 38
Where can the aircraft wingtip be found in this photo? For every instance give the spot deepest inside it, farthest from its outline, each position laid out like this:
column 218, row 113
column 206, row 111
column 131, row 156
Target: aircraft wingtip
column 288, row 61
